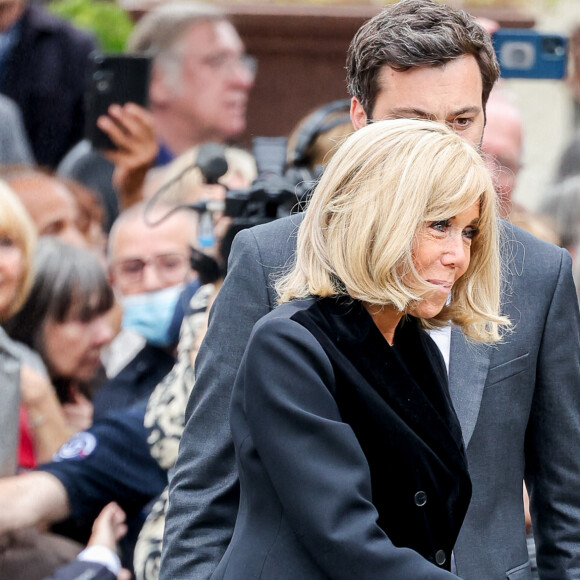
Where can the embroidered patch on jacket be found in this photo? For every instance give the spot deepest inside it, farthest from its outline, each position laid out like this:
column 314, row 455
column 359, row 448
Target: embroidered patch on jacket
column 79, row 446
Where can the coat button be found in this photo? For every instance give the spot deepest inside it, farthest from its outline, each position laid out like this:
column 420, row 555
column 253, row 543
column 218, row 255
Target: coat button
column 420, row 498
column 440, row 557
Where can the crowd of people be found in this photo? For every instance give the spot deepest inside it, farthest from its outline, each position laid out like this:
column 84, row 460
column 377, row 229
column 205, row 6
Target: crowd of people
column 383, row 384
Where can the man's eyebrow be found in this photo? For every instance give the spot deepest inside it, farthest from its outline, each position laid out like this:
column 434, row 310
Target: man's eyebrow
column 409, row 112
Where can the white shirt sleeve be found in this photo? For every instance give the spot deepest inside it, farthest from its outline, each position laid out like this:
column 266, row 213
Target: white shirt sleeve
column 101, row 555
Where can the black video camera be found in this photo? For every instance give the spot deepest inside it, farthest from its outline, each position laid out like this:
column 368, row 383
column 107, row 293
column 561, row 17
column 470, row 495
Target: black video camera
column 278, row 191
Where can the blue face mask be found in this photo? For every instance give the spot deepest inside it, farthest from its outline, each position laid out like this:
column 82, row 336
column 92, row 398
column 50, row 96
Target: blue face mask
column 150, row 313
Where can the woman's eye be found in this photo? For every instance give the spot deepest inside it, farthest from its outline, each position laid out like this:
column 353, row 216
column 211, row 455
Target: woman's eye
column 6, row 242
column 440, row 226
column 470, row 233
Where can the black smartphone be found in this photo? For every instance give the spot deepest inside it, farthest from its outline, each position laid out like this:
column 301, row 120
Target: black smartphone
column 113, row 78
column 526, row 53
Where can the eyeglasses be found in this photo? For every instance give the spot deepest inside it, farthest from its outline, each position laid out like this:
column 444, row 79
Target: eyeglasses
column 170, row 268
column 225, row 64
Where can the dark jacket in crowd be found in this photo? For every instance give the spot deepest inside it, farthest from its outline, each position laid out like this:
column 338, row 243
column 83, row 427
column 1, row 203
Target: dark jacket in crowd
column 45, row 74
column 78, row 570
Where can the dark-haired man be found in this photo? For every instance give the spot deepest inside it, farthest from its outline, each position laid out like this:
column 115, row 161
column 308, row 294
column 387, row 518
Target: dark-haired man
column 518, row 402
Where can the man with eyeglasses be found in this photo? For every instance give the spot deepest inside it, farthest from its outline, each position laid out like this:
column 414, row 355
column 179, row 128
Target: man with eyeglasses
column 201, row 76
column 149, row 266
column 199, row 89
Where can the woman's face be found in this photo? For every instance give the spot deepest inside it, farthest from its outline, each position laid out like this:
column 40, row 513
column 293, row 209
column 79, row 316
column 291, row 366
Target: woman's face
column 442, row 256
column 11, row 271
column 72, row 349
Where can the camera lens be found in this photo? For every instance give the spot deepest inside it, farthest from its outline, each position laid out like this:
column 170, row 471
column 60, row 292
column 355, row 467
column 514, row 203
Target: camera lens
column 553, row 45
column 519, row 57
column 103, row 86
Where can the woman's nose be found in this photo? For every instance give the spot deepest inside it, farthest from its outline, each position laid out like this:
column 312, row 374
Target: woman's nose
column 103, row 331
column 457, row 252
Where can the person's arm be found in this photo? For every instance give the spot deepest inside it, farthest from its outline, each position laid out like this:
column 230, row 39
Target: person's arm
column 79, row 570
column 552, row 464
column 46, row 418
column 31, row 498
column 99, row 560
column 109, row 462
column 204, row 489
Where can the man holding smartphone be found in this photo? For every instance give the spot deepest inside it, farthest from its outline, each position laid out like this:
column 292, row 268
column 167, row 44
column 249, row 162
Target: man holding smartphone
column 199, row 90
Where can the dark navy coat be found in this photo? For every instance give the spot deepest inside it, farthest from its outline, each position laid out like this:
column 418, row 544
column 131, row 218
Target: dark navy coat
column 350, row 455
column 45, row 74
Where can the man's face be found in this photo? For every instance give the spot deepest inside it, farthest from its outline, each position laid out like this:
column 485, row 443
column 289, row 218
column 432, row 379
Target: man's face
column 449, row 94
column 145, row 258
column 51, row 206
column 10, row 12
column 215, row 82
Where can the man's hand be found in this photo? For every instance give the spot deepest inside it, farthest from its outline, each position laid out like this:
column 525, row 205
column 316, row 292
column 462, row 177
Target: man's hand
column 130, row 127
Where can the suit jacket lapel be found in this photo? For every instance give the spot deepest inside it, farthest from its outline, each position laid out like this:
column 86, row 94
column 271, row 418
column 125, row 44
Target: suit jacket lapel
column 468, row 365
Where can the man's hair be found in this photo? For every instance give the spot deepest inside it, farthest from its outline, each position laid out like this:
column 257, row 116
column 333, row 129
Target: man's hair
column 152, row 215
column 411, row 34
column 160, row 31
column 380, row 189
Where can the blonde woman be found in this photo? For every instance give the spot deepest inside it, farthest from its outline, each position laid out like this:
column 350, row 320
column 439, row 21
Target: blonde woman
column 350, row 454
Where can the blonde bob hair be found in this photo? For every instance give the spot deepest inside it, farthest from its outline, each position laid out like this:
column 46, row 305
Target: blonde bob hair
column 358, row 237
column 17, row 225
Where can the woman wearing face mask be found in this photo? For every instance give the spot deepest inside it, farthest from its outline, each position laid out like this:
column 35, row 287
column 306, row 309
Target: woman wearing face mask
column 64, row 321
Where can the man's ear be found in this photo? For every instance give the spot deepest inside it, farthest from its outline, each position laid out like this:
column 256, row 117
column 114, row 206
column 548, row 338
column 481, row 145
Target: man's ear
column 160, row 92
column 111, row 277
column 357, row 114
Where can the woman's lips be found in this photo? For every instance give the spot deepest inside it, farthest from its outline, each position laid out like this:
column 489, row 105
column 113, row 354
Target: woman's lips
column 443, row 285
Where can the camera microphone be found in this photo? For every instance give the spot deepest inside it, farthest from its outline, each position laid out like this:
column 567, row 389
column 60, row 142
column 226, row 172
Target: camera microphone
column 211, row 161
column 203, row 206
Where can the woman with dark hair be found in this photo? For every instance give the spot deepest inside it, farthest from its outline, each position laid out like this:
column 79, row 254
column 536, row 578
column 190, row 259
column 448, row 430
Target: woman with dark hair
column 64, row 321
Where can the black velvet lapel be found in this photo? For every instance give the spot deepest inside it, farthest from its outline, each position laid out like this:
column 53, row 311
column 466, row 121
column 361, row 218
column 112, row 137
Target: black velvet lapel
column 411, row 377
column 397, row 403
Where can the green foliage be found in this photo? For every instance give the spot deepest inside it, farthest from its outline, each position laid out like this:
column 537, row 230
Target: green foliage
column 106, row 20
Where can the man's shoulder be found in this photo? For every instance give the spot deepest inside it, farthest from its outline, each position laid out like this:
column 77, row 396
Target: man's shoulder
column 512, row 234
column 279, row 231
column 524, row 255
column 37, row 21
column 271, row 245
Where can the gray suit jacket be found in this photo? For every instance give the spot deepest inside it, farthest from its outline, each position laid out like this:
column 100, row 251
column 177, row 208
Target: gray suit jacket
column 12, row 356
column 518, row 404
column 14, row 144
